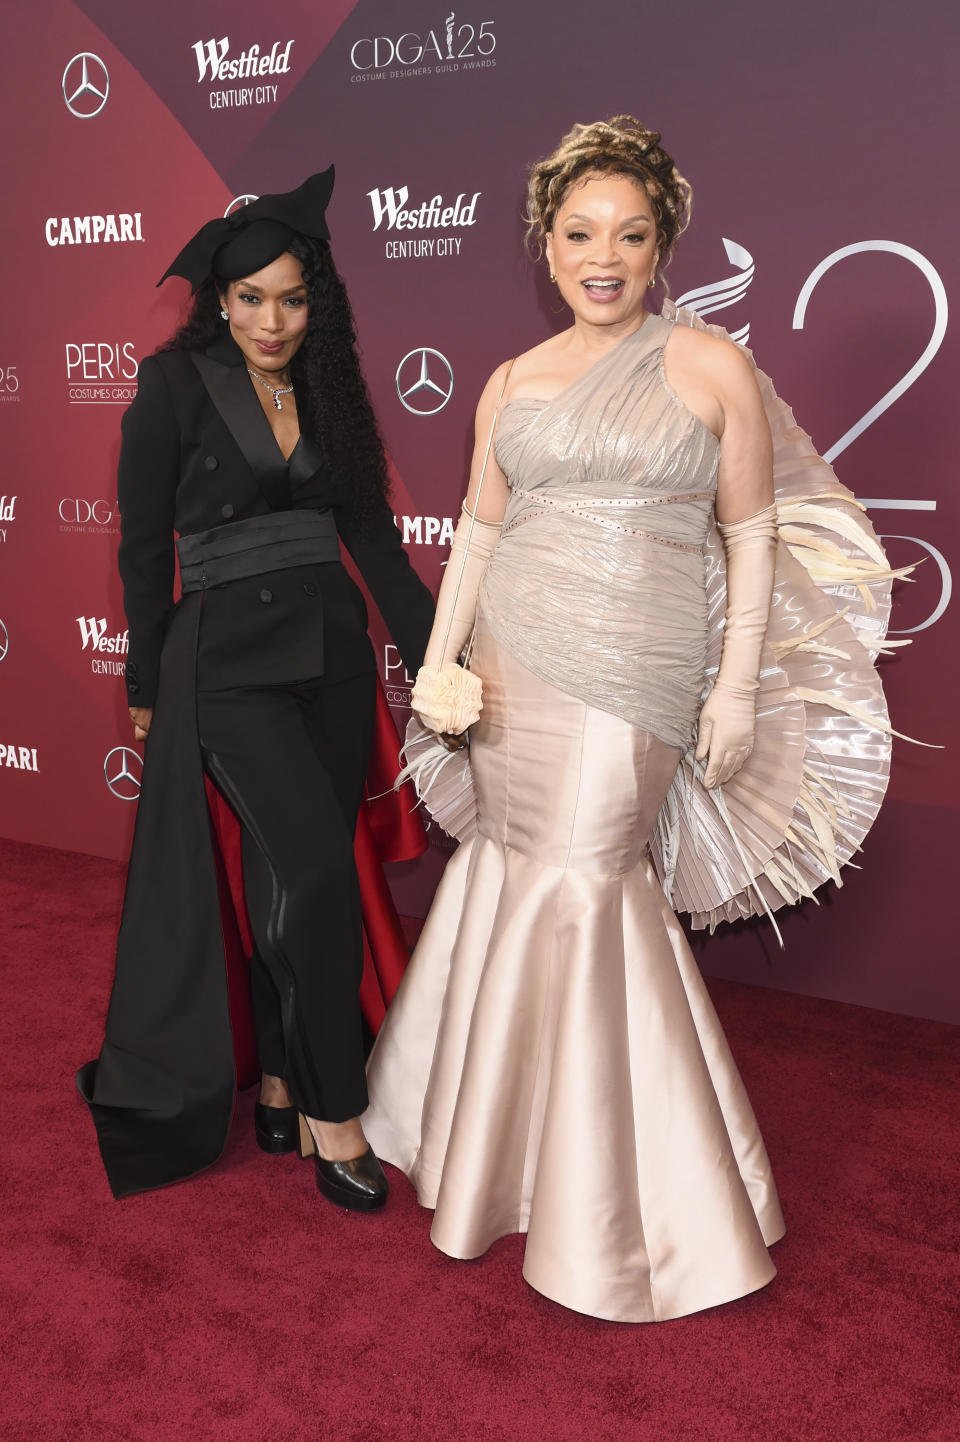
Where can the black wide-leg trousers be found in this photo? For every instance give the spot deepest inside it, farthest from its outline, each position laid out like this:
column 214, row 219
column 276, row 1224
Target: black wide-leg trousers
column 291, row 761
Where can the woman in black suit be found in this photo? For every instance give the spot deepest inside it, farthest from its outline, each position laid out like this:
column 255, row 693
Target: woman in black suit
column 252, row 437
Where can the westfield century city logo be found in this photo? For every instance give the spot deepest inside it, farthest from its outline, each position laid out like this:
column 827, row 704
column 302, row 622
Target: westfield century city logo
column 212, row 62
column 93, row 630
column 391, row 205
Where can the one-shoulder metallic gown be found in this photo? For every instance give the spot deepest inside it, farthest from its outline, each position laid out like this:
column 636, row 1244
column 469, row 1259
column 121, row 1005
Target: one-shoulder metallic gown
column 552, row 1063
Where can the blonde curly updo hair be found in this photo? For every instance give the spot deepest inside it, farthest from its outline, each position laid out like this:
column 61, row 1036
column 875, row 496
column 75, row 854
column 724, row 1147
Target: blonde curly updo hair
column 620, row 146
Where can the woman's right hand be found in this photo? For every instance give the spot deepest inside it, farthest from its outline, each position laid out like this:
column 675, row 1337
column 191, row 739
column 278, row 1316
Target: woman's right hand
column 141, row 716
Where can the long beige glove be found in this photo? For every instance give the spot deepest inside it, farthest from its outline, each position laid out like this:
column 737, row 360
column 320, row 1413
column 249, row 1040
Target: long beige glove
column 445, row 696
column 728, row 717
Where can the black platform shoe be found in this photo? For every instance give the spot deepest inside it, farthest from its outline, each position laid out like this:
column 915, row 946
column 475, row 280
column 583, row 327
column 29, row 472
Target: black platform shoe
column 358, row 1184
column 276, row 1128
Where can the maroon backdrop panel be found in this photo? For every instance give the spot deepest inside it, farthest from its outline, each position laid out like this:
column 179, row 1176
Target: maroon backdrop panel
column 818, row 144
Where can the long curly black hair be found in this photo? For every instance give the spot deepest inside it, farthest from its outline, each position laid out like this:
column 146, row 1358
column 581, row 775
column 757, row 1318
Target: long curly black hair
column 340, row 417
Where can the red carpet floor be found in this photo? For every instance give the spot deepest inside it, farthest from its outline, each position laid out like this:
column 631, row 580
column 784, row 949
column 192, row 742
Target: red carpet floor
column 242, row 1307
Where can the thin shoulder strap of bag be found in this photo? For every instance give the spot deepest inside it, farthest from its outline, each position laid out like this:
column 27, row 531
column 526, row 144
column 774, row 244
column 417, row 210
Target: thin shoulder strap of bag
column 476, row 503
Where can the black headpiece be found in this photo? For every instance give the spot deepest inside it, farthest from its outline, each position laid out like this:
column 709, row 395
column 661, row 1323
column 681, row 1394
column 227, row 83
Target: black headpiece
column 245, row 241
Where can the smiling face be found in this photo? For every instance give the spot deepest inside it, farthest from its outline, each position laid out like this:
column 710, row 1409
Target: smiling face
column 603, row 250
column 268, row 314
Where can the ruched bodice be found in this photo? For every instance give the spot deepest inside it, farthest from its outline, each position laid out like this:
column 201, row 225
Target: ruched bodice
column 597, row 584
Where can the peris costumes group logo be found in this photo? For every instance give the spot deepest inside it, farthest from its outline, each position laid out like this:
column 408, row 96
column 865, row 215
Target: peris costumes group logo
column 448, row 47
column 215, row 63
column 101, row 372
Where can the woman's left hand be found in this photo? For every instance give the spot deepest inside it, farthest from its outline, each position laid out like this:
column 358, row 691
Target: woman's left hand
column 726, row 734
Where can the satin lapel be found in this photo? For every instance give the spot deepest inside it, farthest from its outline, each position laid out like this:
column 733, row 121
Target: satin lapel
column 304, row 462
column 229, row 388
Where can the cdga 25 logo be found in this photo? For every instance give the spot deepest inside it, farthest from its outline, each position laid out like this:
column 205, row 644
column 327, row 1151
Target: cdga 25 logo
column 448, row 42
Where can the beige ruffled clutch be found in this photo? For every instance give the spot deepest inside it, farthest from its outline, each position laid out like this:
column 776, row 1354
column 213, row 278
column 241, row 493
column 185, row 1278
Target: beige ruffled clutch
column 448, row 698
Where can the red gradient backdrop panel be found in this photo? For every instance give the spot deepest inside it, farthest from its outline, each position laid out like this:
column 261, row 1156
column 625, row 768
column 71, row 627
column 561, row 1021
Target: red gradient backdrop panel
column 817, row 143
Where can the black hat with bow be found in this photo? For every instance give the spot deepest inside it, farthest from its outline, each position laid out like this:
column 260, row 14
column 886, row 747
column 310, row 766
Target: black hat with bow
column 245, row 241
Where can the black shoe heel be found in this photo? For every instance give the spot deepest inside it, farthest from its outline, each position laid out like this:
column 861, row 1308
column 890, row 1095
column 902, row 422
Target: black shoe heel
column 358, row 1184
column 276, row 1128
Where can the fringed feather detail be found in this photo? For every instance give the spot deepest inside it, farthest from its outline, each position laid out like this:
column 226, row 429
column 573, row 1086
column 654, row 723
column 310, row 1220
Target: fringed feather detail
column 837, row 702
column 805, row 510
column 801, row 805
column 441, row 779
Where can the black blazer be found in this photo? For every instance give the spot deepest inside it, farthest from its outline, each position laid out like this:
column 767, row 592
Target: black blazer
column 198, row 452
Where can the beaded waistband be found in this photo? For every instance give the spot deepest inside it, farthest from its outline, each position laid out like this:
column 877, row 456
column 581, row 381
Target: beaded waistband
column 583, row 509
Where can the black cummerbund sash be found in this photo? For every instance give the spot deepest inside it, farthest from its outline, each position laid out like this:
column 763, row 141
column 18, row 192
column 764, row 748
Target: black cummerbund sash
column 248, row 548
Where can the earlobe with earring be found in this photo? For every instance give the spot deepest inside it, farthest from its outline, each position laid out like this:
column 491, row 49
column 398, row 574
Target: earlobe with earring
column 224, row 315
column 553, row 278
column 651, row 282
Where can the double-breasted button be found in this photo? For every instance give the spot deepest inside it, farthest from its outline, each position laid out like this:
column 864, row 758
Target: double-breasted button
column 309, row 589
column 266, row 595
column 226, row 511
column 211, row 463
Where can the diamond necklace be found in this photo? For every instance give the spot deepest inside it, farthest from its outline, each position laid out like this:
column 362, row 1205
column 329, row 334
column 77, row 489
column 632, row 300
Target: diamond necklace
column 275, row 391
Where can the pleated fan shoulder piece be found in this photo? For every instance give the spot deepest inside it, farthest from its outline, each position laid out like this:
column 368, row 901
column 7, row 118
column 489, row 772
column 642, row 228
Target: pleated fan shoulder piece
column 807, row 796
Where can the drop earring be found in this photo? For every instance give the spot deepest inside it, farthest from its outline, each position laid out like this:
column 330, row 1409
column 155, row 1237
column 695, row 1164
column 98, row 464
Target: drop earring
column 651, row 283
column 553, row 278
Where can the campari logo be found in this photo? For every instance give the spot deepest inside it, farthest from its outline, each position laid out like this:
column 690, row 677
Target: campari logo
column 101, row 373
column 94, row 229
column 20, row 758
column 425, row 530
column 391, row 209
column 452, row 45
column 104, row 649
column 216, row 64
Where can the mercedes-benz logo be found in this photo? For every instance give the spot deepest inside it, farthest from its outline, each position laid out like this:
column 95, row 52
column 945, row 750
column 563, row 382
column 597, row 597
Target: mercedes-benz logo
column 424, row 381
column 4, row 641
column 239, row 203
column 122, row 770
column 86, row 85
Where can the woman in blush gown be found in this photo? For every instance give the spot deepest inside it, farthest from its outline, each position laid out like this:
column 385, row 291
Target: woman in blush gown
column 552, row 1063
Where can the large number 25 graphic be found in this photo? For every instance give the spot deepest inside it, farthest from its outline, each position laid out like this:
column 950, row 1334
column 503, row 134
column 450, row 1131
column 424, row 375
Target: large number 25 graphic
column 893, row 394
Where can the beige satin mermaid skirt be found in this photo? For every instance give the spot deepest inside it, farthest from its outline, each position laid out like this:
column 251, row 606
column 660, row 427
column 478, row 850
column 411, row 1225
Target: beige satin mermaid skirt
column 552, row 1063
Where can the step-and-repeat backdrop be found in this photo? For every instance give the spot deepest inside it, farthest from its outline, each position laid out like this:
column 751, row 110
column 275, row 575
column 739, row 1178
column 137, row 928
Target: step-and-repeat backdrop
column 819, row 143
